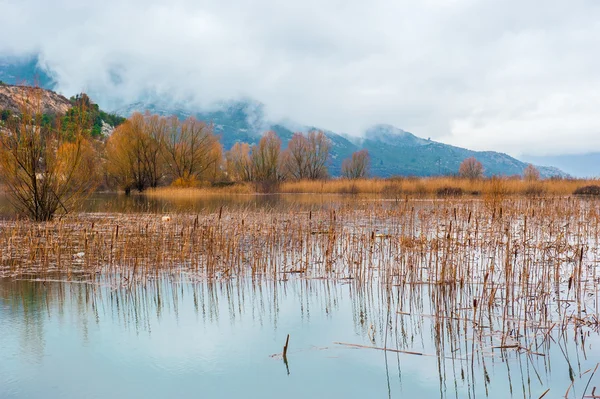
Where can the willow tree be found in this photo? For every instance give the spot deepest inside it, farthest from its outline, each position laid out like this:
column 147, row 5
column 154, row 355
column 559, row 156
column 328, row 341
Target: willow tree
column 357, row 166
column 306, row 156
column 266, row 160
column 46, row 168
column 531, row 173
column 471, row 168
column 134, row 157
column 239, row 162
column 191, row 151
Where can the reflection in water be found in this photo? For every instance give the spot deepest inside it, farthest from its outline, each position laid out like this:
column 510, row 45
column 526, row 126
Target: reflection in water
column 120, row 203
column 171, row 336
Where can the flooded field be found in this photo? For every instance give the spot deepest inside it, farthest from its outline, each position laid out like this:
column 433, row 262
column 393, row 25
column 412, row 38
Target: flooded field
column 440, row 298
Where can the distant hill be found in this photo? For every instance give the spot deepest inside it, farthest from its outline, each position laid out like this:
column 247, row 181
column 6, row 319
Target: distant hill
column 393, row 151
column 580, row 165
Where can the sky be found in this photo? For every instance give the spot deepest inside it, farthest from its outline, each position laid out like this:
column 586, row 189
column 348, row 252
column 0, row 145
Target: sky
column 518, row 76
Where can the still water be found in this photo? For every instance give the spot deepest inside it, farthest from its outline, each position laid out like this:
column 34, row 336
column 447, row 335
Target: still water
column 175, row 334
column 172, row 337
column 120, row 203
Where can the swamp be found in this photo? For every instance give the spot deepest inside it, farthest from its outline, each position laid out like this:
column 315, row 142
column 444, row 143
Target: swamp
column 303, row 296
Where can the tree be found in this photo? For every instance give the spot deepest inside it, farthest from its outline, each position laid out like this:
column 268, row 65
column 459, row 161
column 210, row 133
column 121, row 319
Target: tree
column 531, row 173
column 266, row 160
column 45, row 168
column 239, row 162
column 133, row 152
column 123, row 158
column 471, row 168
column 357, row 166
column 191, row 151
column 295, row 157
column 306, row 157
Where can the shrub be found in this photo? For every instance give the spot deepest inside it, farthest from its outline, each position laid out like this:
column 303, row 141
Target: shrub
column 588, row 190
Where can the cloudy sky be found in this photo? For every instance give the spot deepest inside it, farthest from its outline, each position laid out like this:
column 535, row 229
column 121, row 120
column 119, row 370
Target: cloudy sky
column 521, row 76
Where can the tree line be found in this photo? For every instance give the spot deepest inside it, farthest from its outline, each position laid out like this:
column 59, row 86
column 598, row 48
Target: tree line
column 150, row 150
column 49, row 163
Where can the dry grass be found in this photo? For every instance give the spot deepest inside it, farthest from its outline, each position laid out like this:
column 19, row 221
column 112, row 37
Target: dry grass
column 493, row 278
column 391, row 188
column 430, row 186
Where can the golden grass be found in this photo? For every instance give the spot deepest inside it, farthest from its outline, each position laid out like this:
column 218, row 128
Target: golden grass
column 397, row 187
column 502, row 274
column 394, row 187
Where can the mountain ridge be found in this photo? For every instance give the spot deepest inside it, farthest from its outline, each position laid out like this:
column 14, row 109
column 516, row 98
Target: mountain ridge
column 393, row 151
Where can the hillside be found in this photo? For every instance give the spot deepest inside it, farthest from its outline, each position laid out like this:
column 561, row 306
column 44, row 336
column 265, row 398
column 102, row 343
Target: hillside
column 393, row 151
column 12, row 98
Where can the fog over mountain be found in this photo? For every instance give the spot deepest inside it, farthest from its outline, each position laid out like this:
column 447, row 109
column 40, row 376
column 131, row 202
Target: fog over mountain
column 512, row 76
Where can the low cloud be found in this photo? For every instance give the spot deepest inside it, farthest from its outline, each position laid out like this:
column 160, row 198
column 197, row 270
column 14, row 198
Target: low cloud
column 515, row 76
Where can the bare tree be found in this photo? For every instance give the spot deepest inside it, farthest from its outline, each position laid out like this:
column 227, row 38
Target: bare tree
column 46, row 168
column 471, row 168
column 191, row 151
column 265, row 158
column 239, row 162
column 306, row 156
column 357, row 166
column 531, row 173
column 153, row 132
column 295, row 157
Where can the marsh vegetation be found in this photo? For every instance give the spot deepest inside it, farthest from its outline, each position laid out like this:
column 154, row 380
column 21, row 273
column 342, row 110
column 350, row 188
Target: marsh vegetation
column 494, row 291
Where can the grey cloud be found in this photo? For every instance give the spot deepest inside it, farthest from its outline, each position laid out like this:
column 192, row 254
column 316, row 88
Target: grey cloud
column 516, row 76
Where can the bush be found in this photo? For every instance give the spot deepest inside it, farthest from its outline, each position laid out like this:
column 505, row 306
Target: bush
column 448, row 191
column 588, row 190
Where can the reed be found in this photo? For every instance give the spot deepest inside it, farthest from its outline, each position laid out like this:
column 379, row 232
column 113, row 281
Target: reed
column 399, row 187
column 496, row 277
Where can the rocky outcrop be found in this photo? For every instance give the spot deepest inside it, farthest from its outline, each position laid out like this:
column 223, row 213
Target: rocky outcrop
column 14, row 98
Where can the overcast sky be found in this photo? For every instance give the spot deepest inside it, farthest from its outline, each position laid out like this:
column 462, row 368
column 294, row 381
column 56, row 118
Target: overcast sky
column 520, row 76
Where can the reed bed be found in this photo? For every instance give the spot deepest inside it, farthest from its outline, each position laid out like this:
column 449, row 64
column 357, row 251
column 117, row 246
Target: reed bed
column 492, row 279
column 398, row 187
column 434, row 186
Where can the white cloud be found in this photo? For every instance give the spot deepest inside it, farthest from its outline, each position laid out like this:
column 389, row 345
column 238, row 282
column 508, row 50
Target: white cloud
column 516, row 76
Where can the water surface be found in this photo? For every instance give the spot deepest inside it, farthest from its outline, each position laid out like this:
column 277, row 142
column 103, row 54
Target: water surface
column 176, row 338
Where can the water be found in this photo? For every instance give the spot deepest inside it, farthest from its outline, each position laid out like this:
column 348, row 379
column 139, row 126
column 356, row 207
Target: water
column 175, row 338
column 120, row 203
column 176, row 333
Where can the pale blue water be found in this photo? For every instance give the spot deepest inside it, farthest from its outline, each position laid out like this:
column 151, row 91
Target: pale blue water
column 216, row 340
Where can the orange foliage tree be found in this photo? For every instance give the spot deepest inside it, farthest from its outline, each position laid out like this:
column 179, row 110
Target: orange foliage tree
column 191, row 151
column 239, row 162
column 46, row 168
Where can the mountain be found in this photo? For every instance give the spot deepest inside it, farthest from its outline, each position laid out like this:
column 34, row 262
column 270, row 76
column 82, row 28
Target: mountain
column 393, row 151
column 12, row 98
column 580, row 165
column 24, row 71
